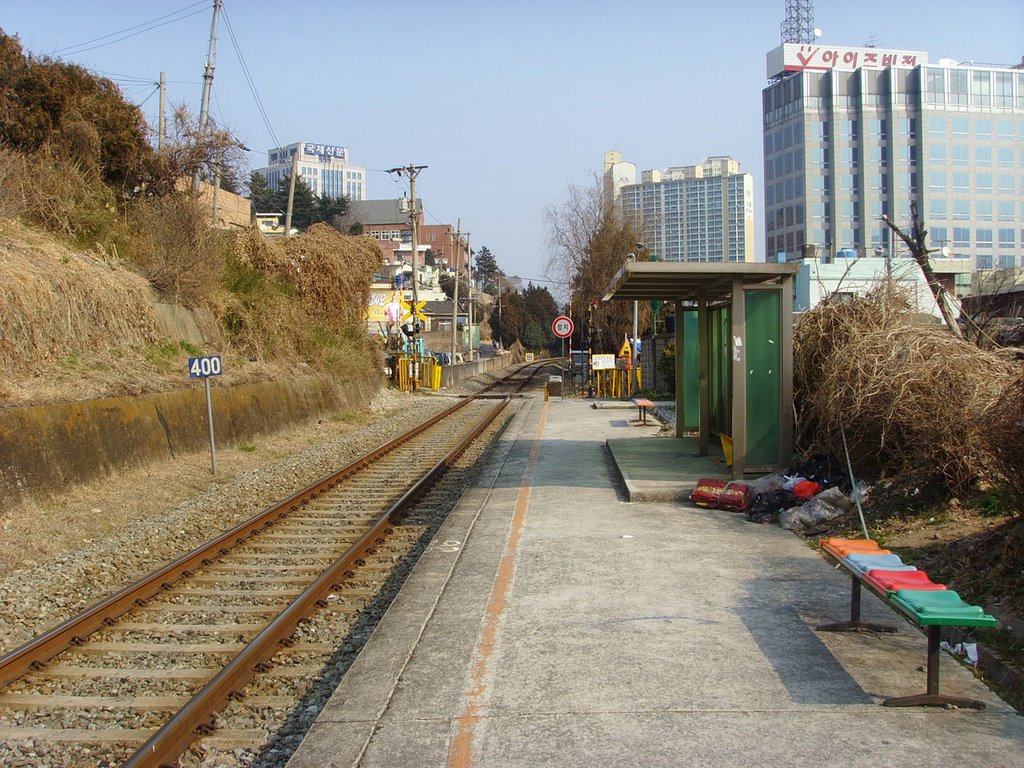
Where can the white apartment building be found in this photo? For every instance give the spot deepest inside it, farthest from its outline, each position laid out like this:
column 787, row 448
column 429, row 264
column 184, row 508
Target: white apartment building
column 702, row 212
column 617, row 174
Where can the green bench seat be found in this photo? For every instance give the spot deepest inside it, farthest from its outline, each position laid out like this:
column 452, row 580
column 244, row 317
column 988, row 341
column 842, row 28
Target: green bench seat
column 943, row 607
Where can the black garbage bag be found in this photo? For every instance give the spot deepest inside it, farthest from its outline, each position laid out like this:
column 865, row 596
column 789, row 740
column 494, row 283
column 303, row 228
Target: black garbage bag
column 766, row 506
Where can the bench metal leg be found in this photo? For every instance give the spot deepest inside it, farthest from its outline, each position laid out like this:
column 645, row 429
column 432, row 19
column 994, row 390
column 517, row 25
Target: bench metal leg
column 855, row 624
column 932, row 697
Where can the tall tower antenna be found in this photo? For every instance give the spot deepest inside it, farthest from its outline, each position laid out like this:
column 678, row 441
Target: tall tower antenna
column 799, row 24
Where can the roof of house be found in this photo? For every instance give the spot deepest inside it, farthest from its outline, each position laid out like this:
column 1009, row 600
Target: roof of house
column 370, row 212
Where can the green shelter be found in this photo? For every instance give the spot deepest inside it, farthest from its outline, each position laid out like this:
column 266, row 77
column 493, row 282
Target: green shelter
column 734, row 351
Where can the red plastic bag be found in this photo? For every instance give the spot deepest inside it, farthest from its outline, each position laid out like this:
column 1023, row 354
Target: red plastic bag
column 806, row 490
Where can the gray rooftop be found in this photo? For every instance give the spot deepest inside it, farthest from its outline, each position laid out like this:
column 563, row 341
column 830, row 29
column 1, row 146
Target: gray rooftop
column 370, row 212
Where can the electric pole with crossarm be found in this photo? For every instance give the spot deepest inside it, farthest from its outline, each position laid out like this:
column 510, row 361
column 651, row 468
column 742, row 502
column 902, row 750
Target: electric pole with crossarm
column 412, row 171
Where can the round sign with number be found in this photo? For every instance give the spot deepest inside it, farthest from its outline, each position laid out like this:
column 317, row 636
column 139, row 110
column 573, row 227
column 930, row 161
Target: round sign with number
column 562, row 327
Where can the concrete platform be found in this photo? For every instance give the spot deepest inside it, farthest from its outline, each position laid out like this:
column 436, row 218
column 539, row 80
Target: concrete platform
column 553, row 622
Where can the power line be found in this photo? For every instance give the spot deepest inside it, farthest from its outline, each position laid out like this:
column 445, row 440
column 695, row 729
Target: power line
column 142, row 28
column 143, row 102
column 249, row 80
column 117, row 77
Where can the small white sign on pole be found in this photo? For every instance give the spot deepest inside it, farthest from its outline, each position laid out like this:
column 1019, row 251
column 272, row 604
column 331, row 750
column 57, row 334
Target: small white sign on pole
column 203, row 368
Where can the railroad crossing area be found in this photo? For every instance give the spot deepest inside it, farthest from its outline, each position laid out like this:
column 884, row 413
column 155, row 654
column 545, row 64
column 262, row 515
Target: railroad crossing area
column 554, row 622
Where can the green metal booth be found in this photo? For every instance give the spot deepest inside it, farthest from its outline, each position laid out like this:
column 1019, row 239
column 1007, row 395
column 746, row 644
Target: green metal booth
column 734, row 351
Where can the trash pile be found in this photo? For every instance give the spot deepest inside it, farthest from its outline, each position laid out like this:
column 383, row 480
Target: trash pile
column 903, row 402
column 803, row 498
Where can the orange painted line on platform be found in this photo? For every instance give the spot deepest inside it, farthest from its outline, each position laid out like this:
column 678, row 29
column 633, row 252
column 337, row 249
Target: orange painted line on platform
column 460, row 751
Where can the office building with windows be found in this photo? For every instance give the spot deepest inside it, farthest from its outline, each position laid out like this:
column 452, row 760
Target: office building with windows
column 701, row 212
column 855, row 134
column 324, row 167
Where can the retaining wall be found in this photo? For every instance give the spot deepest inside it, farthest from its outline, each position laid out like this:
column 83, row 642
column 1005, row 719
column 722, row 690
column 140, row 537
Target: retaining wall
column 45, row 449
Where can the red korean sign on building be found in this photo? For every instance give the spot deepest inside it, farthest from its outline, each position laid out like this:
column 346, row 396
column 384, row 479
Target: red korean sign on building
column 815, row 57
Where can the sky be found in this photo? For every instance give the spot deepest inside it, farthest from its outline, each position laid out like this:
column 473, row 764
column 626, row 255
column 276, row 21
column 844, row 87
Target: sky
column 506, row 103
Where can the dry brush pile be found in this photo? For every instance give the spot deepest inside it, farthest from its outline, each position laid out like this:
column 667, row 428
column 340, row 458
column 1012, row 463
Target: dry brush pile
column 329, row 276
column 915, row 402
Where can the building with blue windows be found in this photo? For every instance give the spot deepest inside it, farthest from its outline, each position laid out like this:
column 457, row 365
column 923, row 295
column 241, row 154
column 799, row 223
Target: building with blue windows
column 855, row 134
column 324, row 167
column 701, row 212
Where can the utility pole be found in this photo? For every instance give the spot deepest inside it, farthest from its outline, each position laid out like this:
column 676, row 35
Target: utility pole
column 455, row 293
column 291, row 195
column 590, row 347
column 211, row 59
column 472, row 285
column 161, row 136
column 498, row 334
column 412, row 171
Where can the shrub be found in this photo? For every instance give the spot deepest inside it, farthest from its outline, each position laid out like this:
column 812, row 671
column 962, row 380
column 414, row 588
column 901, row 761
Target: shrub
column 175, row 248
column 51, row 190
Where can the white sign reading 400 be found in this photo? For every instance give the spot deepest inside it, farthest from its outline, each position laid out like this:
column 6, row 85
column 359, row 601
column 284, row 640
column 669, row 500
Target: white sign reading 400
column 201, row 367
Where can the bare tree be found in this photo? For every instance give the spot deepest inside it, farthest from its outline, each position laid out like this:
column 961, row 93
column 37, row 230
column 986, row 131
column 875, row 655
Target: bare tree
column 189, row 151
column 587, row 245
column 916, row 242
column 571, row 228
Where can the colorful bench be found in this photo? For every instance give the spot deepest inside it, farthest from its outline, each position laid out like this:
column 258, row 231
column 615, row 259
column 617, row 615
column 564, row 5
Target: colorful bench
column 643, row 404
column 912, row 594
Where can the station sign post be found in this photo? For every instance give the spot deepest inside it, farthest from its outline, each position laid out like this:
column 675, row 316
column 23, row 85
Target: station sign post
column 203, row 368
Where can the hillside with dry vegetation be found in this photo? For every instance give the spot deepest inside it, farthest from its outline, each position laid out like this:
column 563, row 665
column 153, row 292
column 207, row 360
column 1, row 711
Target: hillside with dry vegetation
column 97, row 231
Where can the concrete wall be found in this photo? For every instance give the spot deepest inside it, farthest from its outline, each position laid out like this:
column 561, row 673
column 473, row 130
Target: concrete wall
column 453, row 374
column 45, row 449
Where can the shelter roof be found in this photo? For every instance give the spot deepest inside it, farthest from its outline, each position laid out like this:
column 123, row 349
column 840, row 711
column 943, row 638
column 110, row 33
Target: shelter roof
column 688, row 280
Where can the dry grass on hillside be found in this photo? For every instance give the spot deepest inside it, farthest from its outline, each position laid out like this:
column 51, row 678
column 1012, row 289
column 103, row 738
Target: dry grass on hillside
column 78, row 325
column 61, row 303
column 330, row 272
column 55, row 192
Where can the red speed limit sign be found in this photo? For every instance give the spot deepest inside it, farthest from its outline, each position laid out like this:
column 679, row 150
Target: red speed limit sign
column 562, row 327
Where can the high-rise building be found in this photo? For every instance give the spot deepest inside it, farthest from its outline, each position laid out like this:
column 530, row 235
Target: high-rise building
column 854, row 134
column 699, row 212
column 617, row 174
column 324, row 167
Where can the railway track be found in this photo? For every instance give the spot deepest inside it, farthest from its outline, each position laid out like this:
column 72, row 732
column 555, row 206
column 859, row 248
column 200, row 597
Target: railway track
column 199, row 658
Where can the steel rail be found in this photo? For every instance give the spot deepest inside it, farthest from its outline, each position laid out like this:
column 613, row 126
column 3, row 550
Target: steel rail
column 31, row 655
column 190, row 722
